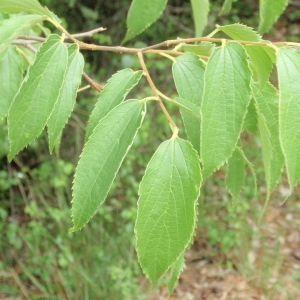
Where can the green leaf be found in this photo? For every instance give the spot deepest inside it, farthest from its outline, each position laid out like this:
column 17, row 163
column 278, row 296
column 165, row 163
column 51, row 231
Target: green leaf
column 262, row 63
column 114, row 92
column 267, row 105
column 11, row 75
column 226, row 8
column 38, row 94
column 235, row 176
column 188, row 73
column 175, row 273
column 203, row 48
column 200, row 13
column 250, row 122
column 167, row 207
column 10, row 29
column 188, row 107
column 269, row 12
column 65, row 103
column 288, row 67
column 240, row 32
column 101, row 159
column 271, row 52
column 29, row 6
column 141, row 14
column 224, row 104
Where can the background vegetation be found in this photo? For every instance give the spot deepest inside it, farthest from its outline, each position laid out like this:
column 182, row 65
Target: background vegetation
column 40, row 260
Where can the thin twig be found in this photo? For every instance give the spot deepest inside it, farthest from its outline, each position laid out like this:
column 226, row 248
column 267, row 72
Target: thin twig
column 95, row 85
column 154, row 89
column 83, row 88
column 89, row 33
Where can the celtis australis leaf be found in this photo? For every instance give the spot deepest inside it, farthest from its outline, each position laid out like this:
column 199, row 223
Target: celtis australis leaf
column 114, row 92
column 226, row 97
column 188, row 73
column 38, row 94
column 11, row 74
column 167, row 207
column 141, row 14
column 288, row 68
column 101, row 159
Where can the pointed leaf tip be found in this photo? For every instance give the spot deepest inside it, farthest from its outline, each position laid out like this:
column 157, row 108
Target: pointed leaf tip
column 141, row 14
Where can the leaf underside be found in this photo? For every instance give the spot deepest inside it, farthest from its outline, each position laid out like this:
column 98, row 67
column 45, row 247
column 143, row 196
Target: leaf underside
column 262, row 63
column 29, row 6
column 200, row 13
column 141, row 14
column 240, row 32
column 11, row 74
column 288, row 68
column 267, row 105
column 269, row 12
column 188, row 73
column 65, row 103
column 235, row 177
column 114, row 92
column 12, row 28
column 226, row 7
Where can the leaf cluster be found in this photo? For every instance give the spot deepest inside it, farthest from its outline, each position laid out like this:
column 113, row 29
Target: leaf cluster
column 223, row 89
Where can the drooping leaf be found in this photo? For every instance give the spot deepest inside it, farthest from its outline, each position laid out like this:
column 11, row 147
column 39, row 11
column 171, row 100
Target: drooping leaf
column 101, row 159
column 11, row 75
column 235, row 176
column 38, row 94
column 203, row 48
column 11, row 28
column 65, row 103
column 188, row 73
column 267, row 105
column 114, row 92
column 269, row 12
column 175, row 273
column 288, row 67
column 226, row 8
column 200, row 13
column 240, row 32
column 29, row 6
column 262, row 63
column 250, row 122
column 141, row 14
column 166, row 207
column 224, row 105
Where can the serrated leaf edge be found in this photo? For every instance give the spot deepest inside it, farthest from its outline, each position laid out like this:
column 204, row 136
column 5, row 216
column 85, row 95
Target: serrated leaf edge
column 195, row 213
column 23, row 82
column 73, row 229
